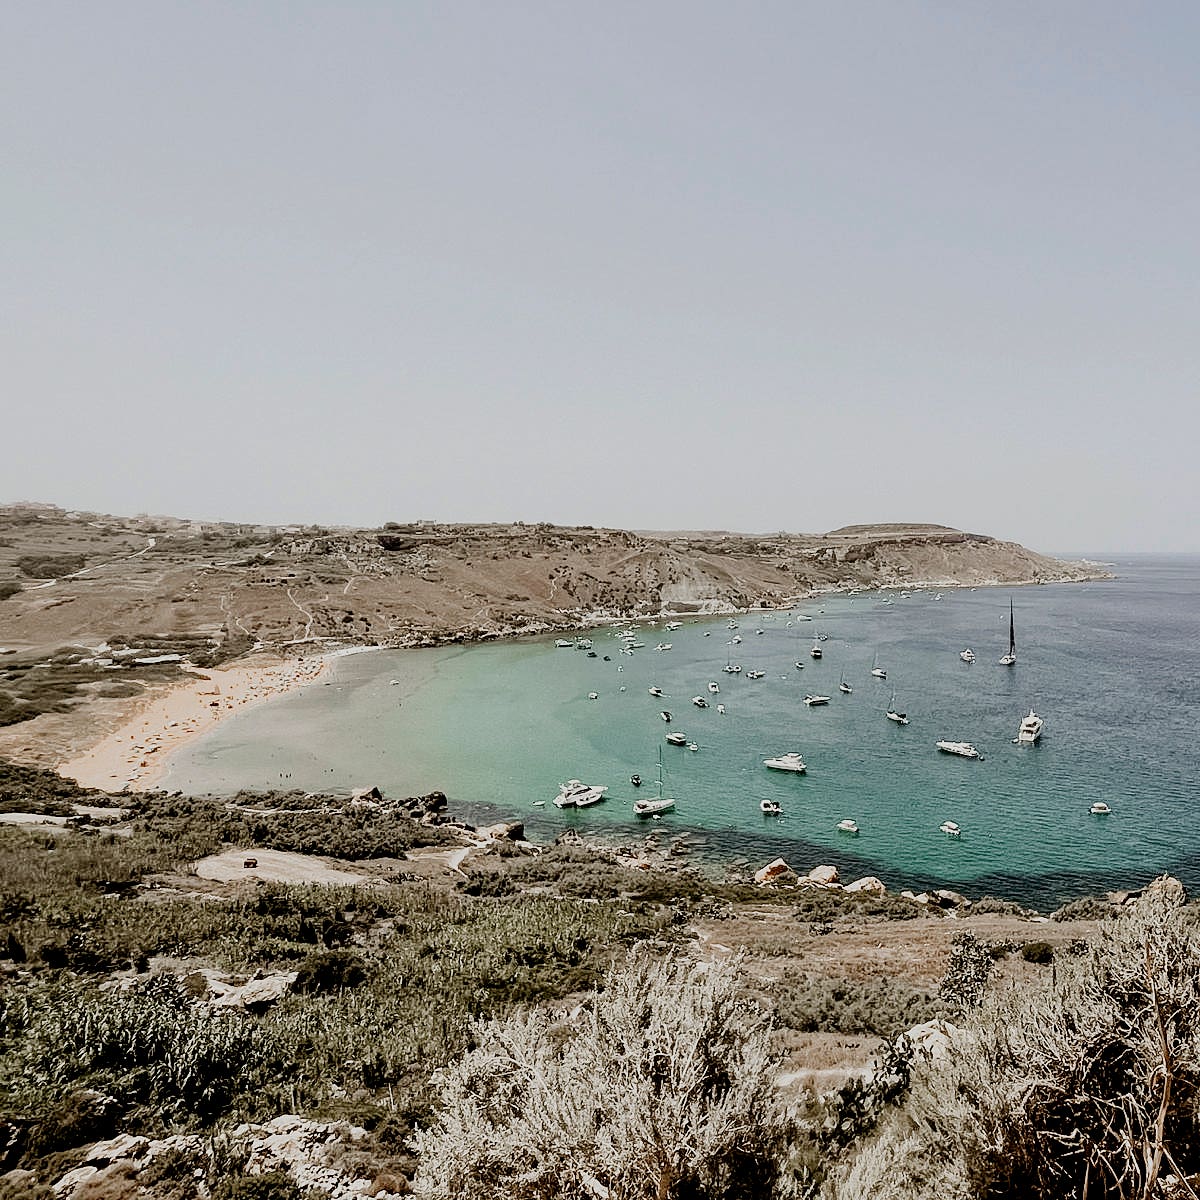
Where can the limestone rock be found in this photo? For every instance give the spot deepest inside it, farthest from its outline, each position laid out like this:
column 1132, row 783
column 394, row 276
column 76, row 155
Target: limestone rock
column 1169, row 889
column 868, row 884
column 949, row 899
column 825, row 875
column 774, row 872
column 933, row 1038
column 513, row 831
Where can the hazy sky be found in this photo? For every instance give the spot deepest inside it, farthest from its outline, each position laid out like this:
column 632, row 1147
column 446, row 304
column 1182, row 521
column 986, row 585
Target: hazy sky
column 752, row 266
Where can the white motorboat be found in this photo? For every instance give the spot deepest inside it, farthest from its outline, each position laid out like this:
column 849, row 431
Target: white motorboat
column 1011, row 656
column 663, row 646
column 655, row 691
column 893, row 715
column 771, row 808
column 791, row 761
column 848, row 826
column 693, row 745
column 671, row 626
column 712, row 687
column 574, row 794
column 811, row 700
column 962, row 749
column 815, row 652
column 677, row 739
column 563, row 644
column 1100, row 809
column 721, row 709
column 736, row 640
column 755, row 674
column 736, row 668
column 950, row 829
column 593, row 695
column 666, row 716
column 798, row 665
column 1030, row 730
column 699, row 702
column 967, row 655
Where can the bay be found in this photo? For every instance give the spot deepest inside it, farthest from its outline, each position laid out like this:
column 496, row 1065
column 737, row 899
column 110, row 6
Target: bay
column 1111, row 666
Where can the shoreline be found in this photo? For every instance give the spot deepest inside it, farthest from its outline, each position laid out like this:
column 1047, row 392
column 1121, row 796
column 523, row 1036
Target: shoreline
column 137, row 754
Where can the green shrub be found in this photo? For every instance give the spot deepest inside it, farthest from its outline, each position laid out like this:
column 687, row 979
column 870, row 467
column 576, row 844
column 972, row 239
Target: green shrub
column 1037, row 952
column 330, row 972
column 9, row 587
column 50, row 566
column 271, row 1185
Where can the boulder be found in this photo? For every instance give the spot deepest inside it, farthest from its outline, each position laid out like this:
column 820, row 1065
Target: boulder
column 948, row 899
column 1168, row 888
column 824, row 875
column 869, row 885
column 933, row 1038
column 67, row 1186
column 773, row 872
column 124, row 1145
column 513, row 831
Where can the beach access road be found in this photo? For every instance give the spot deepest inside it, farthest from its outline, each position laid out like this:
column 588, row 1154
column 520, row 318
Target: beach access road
column 276, row 866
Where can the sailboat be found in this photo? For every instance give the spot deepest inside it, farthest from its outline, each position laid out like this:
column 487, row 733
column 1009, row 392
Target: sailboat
column 815, row 652
column 1011, row 656
column 876, row 669
column 843, row 686
column 892, row 715
column 660, row 803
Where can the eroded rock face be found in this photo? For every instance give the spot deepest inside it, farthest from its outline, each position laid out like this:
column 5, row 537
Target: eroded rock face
column 774, row 872
column 868, row 884
column 1168, row 888
column 824, row 875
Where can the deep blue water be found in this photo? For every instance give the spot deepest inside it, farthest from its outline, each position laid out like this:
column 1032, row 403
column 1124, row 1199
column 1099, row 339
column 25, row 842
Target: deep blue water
column 1111, row 666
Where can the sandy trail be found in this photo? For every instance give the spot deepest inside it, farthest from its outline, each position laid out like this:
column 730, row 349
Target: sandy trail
column 275, row 866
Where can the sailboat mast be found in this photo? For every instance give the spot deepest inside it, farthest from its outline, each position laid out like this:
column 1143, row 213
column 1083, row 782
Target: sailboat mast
column 1012, row 636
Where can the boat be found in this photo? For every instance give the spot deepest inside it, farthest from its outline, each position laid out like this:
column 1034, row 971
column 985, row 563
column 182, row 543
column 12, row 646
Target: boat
column 755, row 674
column 811, row 700
column 574, row 794
column 677, row 739
column 693, row 745
column 663, row 646
column 876, row 669
column 563, row 644
column 593, row 695
column 736, row 640
column 967, row 655
column 1100, row 809
column 673, row 625
column 652, row 806
column 1011, row 656
column 712, row 687
column 592, row 654
column 848, row 826
column 736, row 668
column 1031, row 729
column 950, row 828
column 539, row 803
column 770, row 808
column 798, row 665
column 666, row 716
column 699, row 702
column 721, row 709
column 962, row 749
column 655, row 691
column 892, row 715
column 843, row 686
column 816, row 651
column 636, row 780
column 791, row 761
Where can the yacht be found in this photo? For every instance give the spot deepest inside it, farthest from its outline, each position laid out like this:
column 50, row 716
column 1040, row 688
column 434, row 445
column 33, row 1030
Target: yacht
column 815, row 652
column 666, row 716
column 967, row 655
column 656, row 691
column 755, row 674
column 1099, row 809
column 699, row 702
column 950, row 829
column 1031, row 729
column 651, row 808
column 712, row 687
column 877, row 670
column 671, row 626
column 1011, row 657
column 848, row 826
column 786, row 762
column 962, row 749
column 771, row 808
column 677, row 739
column 574, row 794
column 811, row 700
column 892, row 715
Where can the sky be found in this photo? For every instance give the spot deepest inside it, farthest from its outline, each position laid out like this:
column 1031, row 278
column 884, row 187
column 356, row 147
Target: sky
column 653, row 265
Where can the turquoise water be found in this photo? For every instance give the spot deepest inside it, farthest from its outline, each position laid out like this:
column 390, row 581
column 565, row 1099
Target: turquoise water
column 1112, row 667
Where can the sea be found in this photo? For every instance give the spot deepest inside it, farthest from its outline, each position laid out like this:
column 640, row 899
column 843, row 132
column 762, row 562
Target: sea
column 1113, row 668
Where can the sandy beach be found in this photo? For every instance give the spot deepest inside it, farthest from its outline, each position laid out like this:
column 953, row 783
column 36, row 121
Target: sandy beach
column 136, row 755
